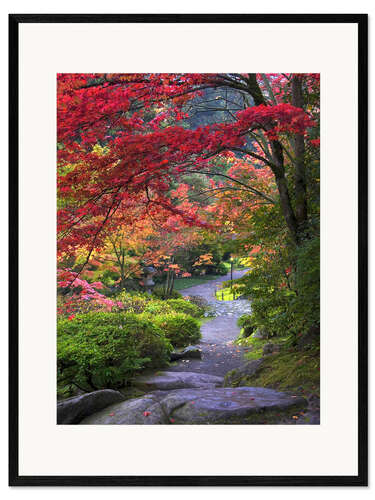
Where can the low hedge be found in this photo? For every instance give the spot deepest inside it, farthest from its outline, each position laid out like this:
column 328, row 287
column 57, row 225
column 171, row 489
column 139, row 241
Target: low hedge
column 179, row 328
column 105, row 350
column 186, row 307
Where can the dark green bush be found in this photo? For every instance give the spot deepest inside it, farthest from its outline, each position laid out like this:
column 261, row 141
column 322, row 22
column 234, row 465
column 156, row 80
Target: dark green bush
column 179, row 328
column 106, row 350
column 245, row 320
column 221, row 269
column 184, row 306
column 284, row 290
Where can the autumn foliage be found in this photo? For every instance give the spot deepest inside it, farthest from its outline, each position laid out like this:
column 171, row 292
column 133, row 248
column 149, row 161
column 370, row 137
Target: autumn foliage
column 127, row 144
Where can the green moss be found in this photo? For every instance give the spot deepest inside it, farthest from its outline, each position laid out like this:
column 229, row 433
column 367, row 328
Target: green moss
column 132, row 392
column 291, row 371
column 256, row 345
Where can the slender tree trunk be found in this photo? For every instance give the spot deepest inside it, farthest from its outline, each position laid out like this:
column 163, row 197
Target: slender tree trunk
column 279, row 170
column 166, row 284
column 299, row 153
column 282, row 186
column 171, row 284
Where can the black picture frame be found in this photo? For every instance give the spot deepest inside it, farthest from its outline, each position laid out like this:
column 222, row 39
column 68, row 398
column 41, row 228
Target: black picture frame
column 359, row 480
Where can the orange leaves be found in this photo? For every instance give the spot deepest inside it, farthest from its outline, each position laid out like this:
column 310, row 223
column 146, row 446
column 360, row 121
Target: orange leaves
column 204, row 260
column 256, row 249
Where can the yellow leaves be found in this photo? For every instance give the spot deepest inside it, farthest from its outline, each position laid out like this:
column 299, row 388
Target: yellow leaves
column 100, row 150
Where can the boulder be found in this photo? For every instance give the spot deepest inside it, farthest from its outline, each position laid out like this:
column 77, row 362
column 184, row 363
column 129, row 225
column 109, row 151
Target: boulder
column 141, row 411
column 191, row 351
column 175, row 355
column 270, row 348
column 248, row 369
column 165, row 381
column 260, row 334
column 73, row 410
column 227, row 405
column 310, row 338
column 241, row 405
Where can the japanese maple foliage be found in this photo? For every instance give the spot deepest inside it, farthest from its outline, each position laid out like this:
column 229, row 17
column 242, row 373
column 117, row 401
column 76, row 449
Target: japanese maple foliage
column 122, row 140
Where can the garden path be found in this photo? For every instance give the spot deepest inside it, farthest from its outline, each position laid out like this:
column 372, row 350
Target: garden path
column 219, row 353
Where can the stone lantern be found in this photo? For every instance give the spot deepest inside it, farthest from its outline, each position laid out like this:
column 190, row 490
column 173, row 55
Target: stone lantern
column 149, row 272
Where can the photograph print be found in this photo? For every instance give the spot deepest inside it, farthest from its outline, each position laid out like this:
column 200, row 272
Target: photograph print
column 188, row 249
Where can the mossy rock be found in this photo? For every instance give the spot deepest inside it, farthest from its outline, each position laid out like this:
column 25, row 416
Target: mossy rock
column 286, row 371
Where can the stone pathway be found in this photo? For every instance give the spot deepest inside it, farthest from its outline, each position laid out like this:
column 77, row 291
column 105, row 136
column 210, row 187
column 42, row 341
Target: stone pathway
column 219, row 353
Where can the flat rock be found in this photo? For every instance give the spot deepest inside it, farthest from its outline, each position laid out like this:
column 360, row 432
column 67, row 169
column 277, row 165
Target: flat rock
column 198, row 406
column 73, row 410
column 227, row 405
column 190, row 352
column 166, row 381
column 141, row 411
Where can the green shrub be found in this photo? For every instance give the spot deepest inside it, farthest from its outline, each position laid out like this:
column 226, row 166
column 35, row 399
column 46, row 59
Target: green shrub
column 179, row 328
column 247, row 323
column 245, row 320
column 158, row 307
column 221, row 269
column 133, row 302
column 184, row 306
column 105, row 350
column 159, row 292
column 284, row 289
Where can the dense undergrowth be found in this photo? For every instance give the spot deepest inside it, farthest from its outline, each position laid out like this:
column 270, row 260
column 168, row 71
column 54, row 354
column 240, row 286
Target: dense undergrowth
column 99, row 349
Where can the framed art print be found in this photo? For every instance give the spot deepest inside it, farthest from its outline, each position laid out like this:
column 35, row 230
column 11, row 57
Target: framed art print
column 188, row 249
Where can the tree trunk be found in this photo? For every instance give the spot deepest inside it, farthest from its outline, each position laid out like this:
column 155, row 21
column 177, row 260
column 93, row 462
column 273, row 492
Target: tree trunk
column 299, row 153
column 278, row 170
column 282, row 186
